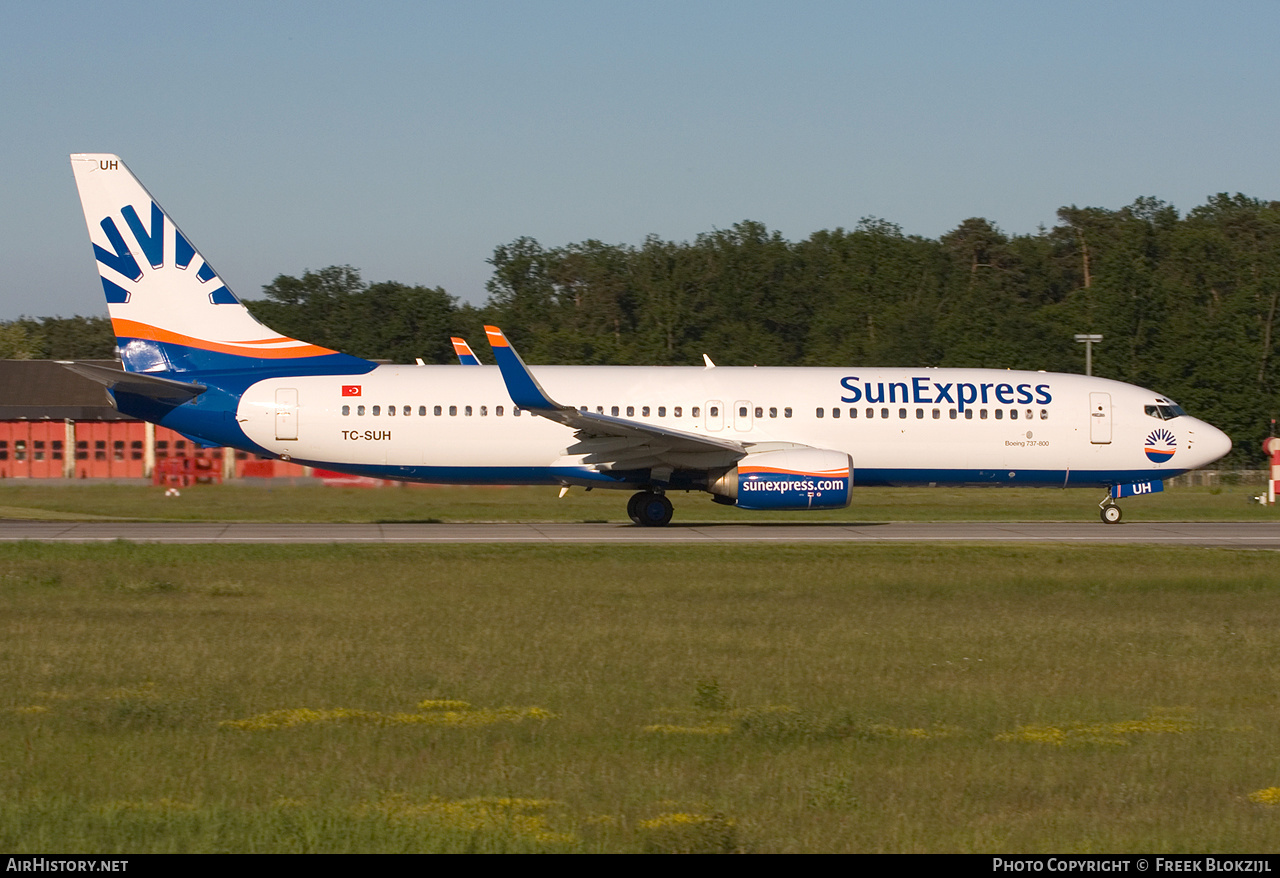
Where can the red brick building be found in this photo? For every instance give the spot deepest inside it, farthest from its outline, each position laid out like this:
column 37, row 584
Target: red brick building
column 55, row 424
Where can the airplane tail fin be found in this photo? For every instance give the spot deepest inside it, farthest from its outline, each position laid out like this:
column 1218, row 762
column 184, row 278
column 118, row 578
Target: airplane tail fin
column 169, row 309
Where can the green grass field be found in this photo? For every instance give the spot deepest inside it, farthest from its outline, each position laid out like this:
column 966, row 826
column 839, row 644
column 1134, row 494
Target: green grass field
column 766, row 699
column 403, row 503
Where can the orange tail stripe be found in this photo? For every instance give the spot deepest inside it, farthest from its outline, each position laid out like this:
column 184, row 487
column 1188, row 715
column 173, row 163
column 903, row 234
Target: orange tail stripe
column 133, row 329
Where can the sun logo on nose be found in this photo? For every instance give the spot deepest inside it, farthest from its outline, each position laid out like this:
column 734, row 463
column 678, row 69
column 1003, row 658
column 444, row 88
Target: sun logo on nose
column 1160, row 445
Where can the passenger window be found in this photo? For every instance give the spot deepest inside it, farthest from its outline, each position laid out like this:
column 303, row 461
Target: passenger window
column 902, row 413
column 614, row 411
column 968, row 414
column 835, row 413
column 982, row 415
column 438, row 411
column 515, row 411
column 919, row 414
column 453, row 411
column 662, row 411
column 497, row 411
column 1013, row 414
column 676, row 411
column 773, row 411
column 391, row 411
column 937, row 413
column 599, row 410
column 484, row 411
column 694, row 412
column 999, row 414
column 346, row 411
column 853, row 413
column 360, row 410
column 759, row 412
column 1030, row 414
column 952, row 413
column 884, row 413
column 786, row 412
column 871, row 413
column 631, row 411
column 467, row 411
column 377, row 409
column 714, row 411
column 408, row 410
column 1044, row 414
column 644, row 412
column 422, row 411
column 818, row 413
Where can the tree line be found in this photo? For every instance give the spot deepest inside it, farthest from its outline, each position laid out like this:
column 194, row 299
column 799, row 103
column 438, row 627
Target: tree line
column 1187, row 304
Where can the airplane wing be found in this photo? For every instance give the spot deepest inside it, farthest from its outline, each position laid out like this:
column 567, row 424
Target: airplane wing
column 606, row 442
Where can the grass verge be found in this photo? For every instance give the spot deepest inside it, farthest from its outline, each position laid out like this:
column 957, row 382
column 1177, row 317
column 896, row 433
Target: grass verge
column 519, row 698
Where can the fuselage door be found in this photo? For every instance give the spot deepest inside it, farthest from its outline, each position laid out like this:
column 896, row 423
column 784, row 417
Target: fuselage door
column 286, row 413
column 715, row 415
column 1100, row 418
column 742, row 415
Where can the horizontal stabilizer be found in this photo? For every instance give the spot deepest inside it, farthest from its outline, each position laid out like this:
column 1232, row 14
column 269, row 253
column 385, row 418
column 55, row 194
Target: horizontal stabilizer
column 138, row 383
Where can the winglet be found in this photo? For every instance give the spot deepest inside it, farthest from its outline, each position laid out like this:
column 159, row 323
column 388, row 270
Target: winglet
column 524, row 389
column 466, row 356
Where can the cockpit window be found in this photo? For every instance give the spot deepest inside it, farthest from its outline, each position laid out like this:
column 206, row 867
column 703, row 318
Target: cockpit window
column 1165, row 412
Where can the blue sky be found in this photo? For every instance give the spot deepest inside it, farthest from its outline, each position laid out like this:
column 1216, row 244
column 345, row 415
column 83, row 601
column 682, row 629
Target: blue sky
column 410, row 139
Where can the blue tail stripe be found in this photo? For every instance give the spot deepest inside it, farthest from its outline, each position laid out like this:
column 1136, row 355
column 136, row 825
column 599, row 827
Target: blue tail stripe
column 122, row 260
column 116, row 294
column 152, row 244
column 183, row 252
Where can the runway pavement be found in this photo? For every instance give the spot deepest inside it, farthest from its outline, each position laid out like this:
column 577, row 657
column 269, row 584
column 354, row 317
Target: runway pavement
column 1243, row 535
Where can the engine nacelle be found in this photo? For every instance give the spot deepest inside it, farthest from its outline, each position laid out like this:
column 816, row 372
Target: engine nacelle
column 791, row 478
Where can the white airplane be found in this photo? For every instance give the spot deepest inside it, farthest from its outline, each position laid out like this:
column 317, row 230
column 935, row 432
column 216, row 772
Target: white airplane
column 196, row 361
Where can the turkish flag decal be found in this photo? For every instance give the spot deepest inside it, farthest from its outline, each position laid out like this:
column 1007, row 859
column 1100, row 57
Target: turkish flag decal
column 351, row 390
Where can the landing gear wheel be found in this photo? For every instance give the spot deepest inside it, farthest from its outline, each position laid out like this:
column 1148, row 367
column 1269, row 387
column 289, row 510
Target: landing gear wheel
column 633, row 506
column 1111, row 514
column 648, row 509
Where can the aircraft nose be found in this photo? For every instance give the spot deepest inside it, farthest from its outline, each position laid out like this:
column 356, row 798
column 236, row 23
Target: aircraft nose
column 1210, row 443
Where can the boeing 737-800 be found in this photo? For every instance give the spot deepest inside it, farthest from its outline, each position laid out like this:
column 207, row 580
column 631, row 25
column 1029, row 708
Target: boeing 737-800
column 196, row 361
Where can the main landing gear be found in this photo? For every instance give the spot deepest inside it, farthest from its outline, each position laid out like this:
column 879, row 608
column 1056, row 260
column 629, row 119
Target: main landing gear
column 649, row 509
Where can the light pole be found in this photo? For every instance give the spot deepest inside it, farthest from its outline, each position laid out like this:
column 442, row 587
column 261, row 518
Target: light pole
column 1088, row 351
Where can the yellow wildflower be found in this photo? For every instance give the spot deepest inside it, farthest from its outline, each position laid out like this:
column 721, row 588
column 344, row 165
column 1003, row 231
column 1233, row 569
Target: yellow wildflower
column 1269, row 796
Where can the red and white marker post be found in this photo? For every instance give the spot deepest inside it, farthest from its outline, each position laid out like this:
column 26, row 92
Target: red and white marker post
column 1272, row 447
